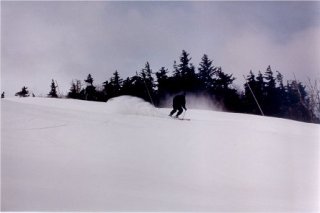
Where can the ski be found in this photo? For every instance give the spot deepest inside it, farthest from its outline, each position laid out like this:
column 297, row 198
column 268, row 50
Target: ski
column 181, row 119
column 184, row 119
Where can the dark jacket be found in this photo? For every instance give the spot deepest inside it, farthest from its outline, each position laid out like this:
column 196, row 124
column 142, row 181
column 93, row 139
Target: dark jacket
column 179, row 101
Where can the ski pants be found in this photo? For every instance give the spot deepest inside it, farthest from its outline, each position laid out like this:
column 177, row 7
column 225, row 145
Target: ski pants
column 179, row 109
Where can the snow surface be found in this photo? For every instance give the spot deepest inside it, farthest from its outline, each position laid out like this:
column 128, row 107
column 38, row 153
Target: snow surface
column 125, row 155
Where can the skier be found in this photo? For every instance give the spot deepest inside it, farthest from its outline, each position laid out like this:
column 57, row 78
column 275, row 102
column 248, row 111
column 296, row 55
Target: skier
column 179, row 103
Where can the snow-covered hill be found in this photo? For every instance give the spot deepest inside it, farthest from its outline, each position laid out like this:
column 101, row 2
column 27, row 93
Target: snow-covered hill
column 125, row 155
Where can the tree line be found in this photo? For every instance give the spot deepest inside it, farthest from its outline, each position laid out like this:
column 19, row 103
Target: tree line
column 265, row 93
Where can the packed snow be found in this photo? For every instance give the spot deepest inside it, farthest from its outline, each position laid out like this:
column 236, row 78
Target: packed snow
column 126, row 155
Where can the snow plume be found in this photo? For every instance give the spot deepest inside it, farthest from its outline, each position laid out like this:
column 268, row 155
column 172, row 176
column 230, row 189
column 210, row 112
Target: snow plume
column 131, row 105
column 194, row 101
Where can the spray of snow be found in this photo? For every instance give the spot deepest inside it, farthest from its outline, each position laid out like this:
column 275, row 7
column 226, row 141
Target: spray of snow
column 202, row 102
column 194, row 101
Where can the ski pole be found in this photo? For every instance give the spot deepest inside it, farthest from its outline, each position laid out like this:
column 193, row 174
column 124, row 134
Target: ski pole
column 253, row 96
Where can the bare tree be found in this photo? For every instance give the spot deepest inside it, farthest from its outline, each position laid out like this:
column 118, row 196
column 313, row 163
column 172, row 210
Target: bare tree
column 314, row 97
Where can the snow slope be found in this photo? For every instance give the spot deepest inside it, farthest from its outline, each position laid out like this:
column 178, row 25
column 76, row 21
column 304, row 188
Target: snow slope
column 125, row 155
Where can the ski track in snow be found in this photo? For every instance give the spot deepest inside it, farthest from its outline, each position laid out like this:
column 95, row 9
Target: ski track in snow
column 45, row 127
column 125, row 155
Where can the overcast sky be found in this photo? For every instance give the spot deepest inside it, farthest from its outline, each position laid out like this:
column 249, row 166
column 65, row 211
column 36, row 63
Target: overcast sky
column 69, row 40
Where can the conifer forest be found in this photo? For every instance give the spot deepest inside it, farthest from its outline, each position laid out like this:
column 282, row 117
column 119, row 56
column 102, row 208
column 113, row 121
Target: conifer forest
column 263, row 93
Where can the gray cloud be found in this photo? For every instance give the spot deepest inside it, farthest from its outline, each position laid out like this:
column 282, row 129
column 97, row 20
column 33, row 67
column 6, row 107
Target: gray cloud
column 69, row 40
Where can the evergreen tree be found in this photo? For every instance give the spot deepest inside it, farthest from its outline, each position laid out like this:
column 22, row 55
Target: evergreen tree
column 53, row 91
column 162, row 76
column 271, row 105
column 279, row 80
column 163, row 84
column 297, row 107
column 206, row 73
column 162, row 80
column 107, row 89
column 116, row 82
column 260, row 89
column 113, row 87
column 249, row 98
column 176, row 70
column 90, row 91
column 127, row 86
column 223, row 80
column 146, row 74
column 2, row 95
column 100, row 94
column 188, row 79
column 23, row 93
column 314, row 99
column 280, row 95
column 148, row 81
column 251, row 81
column 138, row 87
column 176, row 79
column 184, row 63
column 260, row 85
column 270, row 84
column 257, row 85
column 89, row 80
column 224, row 93
column 270, row 80
column 76, row 90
